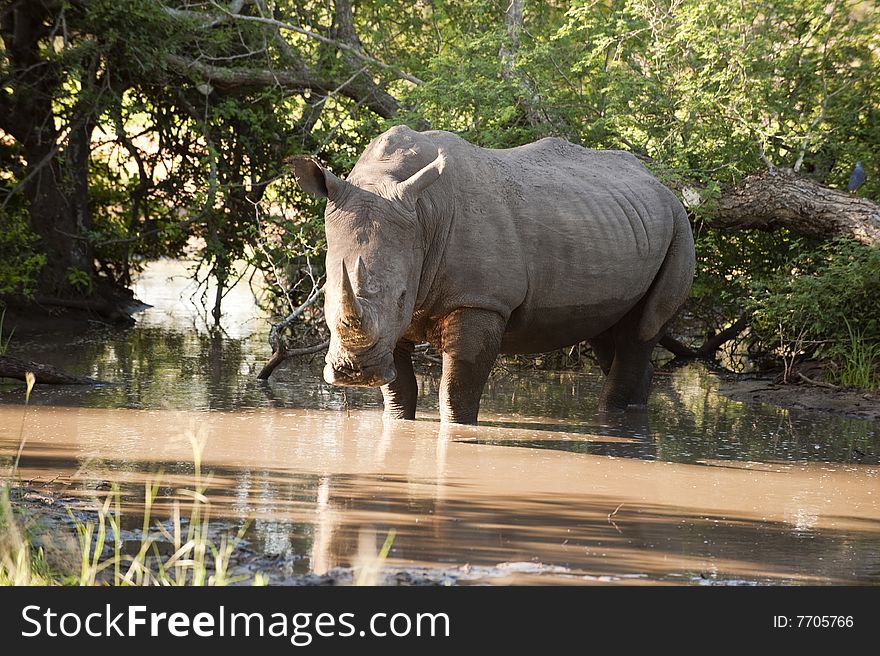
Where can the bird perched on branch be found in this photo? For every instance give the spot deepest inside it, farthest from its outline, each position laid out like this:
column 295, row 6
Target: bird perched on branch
column 857, row 177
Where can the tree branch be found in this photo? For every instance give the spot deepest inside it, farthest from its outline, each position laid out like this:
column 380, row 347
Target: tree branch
column 678, row 349
column 358, row 87
column 281, row 355
column 227, row 79
column 348, row 48
column 710, row 347
column 720, row 338
column 211, row 20
column 274, row 334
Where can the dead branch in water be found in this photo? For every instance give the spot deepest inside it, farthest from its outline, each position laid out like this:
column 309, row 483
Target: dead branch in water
column 280, row 349
column 275, row 340
column 282, row 354
column 11, row 367
column 102, row 307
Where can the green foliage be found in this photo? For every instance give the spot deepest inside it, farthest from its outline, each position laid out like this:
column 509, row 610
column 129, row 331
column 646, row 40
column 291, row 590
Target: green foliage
column 727, row 264
column 466, row 87
column 827, row 296
column 20, row 257
column 708, row 85
column 134, row 34
column 79, row 279
column 464, row 92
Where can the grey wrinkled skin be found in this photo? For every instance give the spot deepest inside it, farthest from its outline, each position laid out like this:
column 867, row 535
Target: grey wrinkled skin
column 481, row 252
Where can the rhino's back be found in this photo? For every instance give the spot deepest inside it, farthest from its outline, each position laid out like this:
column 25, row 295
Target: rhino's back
column 601, row 194
column 553, row 193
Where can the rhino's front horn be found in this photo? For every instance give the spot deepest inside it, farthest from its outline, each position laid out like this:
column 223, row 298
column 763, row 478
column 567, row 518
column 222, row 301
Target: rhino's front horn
column 356, row 323
column 351, row 309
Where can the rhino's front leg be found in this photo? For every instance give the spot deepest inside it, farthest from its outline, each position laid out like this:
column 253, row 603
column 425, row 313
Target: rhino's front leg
column 470, row 340
column 400, row 395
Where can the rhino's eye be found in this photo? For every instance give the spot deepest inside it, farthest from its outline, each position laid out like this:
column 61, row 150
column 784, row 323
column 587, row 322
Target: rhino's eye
column 402, row 299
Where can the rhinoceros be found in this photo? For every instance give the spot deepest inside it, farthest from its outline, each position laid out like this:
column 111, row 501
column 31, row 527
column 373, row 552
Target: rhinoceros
column 482, row 251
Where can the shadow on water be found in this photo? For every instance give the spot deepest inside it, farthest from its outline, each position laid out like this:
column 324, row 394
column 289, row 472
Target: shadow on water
column 698, row 488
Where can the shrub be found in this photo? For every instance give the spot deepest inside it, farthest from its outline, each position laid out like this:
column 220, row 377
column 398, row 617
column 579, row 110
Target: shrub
column 826, row 302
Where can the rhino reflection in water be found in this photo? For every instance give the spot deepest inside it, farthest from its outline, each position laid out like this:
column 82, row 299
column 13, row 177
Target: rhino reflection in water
column 481, row 252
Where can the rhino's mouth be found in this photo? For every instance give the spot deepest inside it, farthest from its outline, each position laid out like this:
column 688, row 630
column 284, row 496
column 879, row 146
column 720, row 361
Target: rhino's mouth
column 346, row 373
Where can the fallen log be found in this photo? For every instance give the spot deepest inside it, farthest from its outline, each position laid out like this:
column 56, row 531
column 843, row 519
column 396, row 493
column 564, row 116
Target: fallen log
column 103, row 308
column 780, row 198
column 11, row 367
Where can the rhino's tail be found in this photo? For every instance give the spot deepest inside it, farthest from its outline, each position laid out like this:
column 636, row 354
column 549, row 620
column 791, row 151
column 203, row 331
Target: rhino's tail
column 673, row 282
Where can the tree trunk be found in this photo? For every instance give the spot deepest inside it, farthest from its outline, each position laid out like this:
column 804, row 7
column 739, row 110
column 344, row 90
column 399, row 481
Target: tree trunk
column 531, row 101
column 59, row 218
column 780, row 198
column 56, row 177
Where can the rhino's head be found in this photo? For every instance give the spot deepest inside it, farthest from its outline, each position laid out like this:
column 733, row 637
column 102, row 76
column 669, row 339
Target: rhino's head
column 375, row 252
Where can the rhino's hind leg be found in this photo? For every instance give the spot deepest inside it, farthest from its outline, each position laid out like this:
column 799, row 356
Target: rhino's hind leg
column 603, row 349
column 672, row 284
column 629, row 381
column 625, row 387
column 400, row 395
column 469, row 339
column 643, row 389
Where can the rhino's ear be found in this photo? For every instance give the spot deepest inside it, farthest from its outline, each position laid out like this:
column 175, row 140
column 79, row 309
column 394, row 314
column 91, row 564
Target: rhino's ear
column 410, row 189
column 314, row 178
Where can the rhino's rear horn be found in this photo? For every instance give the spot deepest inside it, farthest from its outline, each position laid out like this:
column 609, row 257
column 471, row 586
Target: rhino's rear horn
column 360, row 280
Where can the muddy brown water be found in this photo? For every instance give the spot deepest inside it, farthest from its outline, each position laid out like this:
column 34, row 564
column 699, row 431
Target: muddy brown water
column 699, row 489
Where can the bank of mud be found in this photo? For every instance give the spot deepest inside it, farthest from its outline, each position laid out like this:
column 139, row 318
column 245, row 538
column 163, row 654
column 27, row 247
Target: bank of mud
column 846, row 402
